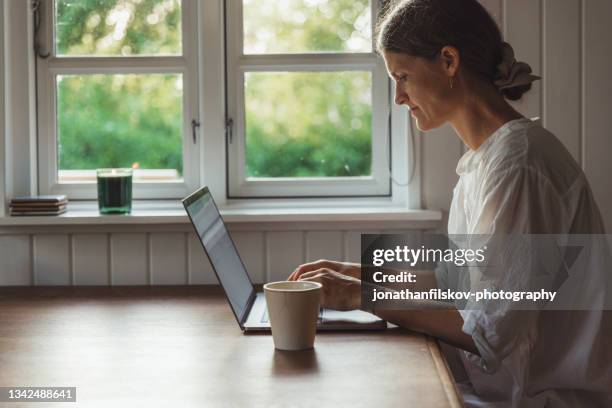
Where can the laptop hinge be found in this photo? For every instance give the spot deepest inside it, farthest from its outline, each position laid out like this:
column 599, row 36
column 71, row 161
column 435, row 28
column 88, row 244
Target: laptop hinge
column 247, row 311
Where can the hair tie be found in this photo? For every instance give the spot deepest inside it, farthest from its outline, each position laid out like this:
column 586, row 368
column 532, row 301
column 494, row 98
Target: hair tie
column 510, row 72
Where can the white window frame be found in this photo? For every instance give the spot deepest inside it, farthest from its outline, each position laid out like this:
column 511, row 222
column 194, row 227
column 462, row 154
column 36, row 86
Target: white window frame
column 47, row 71
column 239, row 186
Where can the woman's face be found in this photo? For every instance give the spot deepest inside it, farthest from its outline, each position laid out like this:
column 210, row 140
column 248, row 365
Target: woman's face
column 423, row 86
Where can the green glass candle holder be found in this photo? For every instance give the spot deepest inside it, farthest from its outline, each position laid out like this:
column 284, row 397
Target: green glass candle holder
column 114, row 191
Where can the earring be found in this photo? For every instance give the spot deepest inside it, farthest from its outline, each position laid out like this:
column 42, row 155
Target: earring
column 451, row 82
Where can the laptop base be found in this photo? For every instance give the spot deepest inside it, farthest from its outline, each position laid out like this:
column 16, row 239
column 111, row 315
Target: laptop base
column 329, row 320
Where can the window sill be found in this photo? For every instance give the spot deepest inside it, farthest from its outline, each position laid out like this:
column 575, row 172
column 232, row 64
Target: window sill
column 172, row 212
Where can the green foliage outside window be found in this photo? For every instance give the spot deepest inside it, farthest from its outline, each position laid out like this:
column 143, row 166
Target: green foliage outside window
column 308, row 124
column 297, row 125
column 120, row 121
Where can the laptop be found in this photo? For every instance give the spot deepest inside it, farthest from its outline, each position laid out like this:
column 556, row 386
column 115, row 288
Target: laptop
column 249, row 305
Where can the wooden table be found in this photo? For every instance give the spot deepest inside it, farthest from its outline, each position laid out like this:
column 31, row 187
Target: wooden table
column 181, row 347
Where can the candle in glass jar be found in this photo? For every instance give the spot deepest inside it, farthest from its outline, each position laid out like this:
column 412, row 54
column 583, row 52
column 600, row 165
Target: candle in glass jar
column 114, row 191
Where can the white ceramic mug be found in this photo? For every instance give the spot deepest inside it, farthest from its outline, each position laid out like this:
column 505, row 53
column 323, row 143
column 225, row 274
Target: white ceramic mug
column 293, row 309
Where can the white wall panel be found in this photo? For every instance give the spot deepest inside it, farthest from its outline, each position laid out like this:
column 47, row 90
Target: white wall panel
column 352, row 245
column 51, row 260
column 171, row 257
column 129, row 259
column 168, row 259
column 20, row 153
column 3, row 139
column 15, row 260
column 199, row 270
column 250, row 246
column 523, row 30
column 90, row 257
column 441, row 150
column 324, row 245
column 284, row 253
column 561, row 72
column 597, row 120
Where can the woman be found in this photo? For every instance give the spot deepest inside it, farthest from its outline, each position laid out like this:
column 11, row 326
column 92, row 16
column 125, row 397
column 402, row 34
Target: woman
column 450, row 65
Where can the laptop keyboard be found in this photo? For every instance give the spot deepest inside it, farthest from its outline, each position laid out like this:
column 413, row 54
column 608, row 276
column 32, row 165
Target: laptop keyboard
column 265, row 319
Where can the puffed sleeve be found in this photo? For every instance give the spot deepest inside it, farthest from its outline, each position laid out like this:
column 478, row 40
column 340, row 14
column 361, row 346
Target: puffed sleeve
column 512, row 201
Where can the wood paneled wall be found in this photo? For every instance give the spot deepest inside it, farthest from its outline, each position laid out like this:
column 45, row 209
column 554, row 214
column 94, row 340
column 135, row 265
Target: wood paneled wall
column 171, row 257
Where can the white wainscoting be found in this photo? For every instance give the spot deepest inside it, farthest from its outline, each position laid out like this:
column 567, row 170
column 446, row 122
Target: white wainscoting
column 566, row 42
column 166, row 255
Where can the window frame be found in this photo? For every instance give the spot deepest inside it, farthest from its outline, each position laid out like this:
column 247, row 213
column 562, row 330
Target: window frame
column 47, row 71
column 378, row 184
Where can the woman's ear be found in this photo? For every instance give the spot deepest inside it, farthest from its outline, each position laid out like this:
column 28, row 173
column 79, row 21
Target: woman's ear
column 449, row 56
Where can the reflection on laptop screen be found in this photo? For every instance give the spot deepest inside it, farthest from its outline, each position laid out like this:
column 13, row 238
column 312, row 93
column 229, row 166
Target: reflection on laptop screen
column 221, row 252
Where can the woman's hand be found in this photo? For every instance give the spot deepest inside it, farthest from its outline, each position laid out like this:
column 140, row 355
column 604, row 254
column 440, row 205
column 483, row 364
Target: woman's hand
column 345, row 268
column 340, row 291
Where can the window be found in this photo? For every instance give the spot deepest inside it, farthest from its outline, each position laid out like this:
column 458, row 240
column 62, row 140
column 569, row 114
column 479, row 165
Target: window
column 118, row 89
column 294, row 101
column 307, row 100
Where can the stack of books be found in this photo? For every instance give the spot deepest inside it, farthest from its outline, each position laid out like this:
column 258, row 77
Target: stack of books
column 39, row 205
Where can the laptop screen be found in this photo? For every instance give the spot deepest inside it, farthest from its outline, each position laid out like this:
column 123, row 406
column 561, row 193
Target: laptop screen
column 220, row 249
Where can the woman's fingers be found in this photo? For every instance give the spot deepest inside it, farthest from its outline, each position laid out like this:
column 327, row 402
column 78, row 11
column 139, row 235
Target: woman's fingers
column 312, row 266
column 295, row 275
column 345, row 268
column 339, row 291
column 312, row 274
column 316, row 278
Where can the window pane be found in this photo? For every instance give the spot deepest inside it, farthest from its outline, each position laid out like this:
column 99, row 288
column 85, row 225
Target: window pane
column 308, row 124
column 120, row 121
column 118, row 27
column 303, row 26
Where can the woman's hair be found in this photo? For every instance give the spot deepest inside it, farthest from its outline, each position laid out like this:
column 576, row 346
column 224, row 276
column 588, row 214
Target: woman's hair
column 421, row 28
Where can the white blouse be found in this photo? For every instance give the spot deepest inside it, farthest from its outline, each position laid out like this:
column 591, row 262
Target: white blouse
column 523, row 180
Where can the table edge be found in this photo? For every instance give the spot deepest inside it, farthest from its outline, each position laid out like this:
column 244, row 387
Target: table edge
column 446, row 378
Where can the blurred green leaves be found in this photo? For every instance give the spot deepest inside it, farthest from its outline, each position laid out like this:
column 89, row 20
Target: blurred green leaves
column 302, row 124
column 120, row 120
column 303, row 26
column 308, row 124
column 118, row 27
